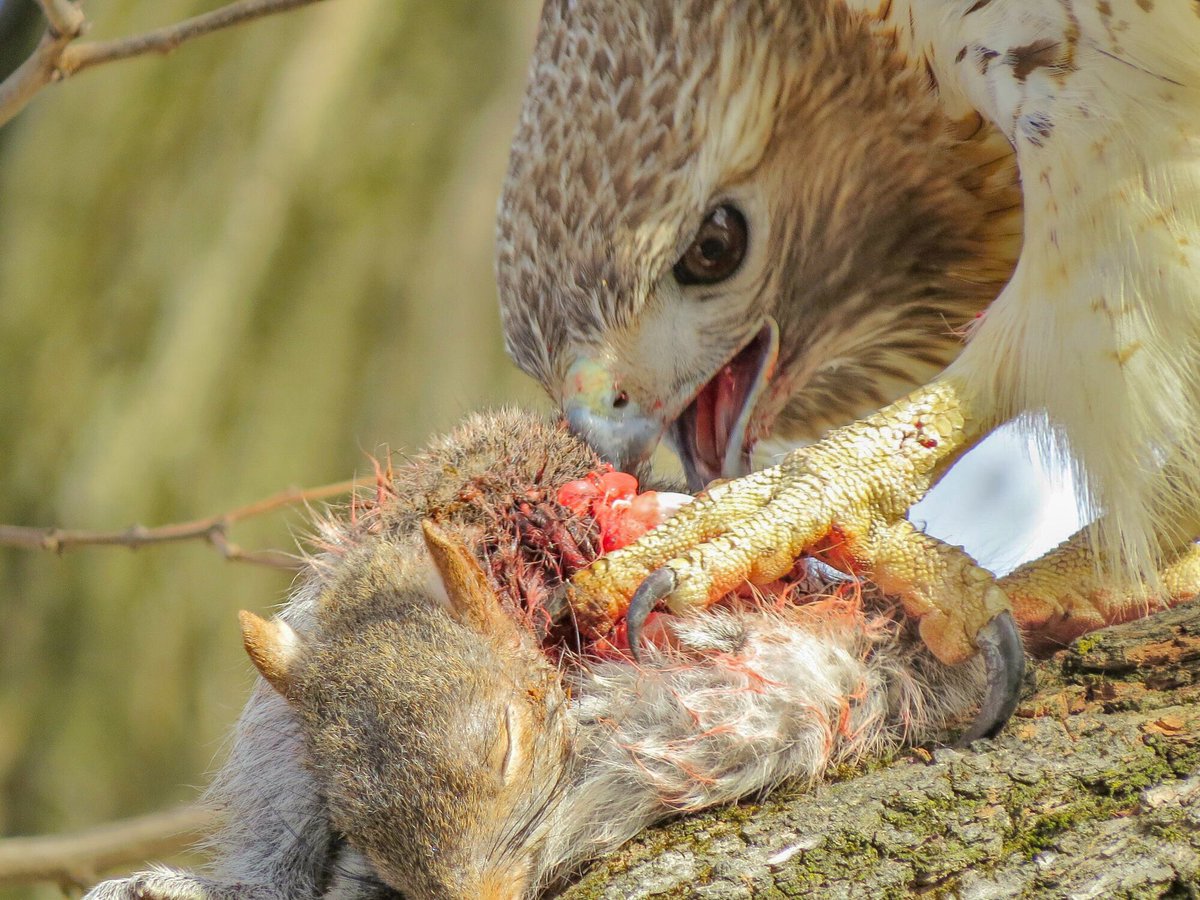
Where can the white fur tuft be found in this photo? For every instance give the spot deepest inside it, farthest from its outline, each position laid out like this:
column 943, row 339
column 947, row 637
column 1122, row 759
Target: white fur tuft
column 748, row 698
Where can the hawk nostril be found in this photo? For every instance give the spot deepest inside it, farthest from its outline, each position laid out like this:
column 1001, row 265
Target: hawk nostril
column 621, row 400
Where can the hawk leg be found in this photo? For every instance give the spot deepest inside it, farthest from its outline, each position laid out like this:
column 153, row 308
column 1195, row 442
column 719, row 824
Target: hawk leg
column 1064, row 594
column 844, row 500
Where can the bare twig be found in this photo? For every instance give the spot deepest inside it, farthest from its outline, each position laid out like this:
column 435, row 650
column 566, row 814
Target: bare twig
column 64, row 17
column 78, row 859
column 32, row 75
column 58, row 56
column 164, row 40
column 214, row 529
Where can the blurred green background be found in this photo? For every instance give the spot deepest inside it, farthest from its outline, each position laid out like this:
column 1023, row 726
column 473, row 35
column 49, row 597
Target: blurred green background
column 223, row 273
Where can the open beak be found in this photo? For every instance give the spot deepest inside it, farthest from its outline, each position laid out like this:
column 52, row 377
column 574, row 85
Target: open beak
column 712, row 435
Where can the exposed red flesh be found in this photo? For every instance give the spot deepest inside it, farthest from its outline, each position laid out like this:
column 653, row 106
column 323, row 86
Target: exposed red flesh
column 545, row 536
column 612, row 500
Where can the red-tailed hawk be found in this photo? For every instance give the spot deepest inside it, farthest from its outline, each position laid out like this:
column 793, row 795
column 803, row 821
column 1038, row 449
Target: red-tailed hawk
column 729, row 220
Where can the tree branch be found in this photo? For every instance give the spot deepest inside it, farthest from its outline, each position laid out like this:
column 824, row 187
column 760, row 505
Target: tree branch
column 163, row 40
column 77, row 860
column 214, row 530
column 65, row 18
column 58, row 56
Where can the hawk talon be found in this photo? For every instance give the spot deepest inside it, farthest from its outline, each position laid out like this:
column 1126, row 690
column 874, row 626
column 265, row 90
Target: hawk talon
column 999, row 642
column 658, row 585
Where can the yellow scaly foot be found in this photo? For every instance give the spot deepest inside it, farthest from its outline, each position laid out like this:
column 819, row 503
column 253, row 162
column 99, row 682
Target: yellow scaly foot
column 1062, row 595
column 844, row 499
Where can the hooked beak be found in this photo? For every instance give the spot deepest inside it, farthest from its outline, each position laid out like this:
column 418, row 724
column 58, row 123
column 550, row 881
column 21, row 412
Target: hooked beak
column 711, row 434
column 606, row 418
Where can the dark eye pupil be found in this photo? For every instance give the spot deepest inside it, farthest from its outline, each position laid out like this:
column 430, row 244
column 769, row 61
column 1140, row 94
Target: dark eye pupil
column 717, row 250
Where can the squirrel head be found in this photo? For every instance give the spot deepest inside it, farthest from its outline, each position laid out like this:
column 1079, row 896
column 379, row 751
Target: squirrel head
column 436, row 726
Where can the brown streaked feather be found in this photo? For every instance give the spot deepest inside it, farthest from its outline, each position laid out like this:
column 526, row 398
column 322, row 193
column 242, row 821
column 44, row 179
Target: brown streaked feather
column 893, row 224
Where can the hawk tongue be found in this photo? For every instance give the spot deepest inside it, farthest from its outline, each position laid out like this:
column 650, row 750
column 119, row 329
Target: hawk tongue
column 711, row 433
column 718, row 407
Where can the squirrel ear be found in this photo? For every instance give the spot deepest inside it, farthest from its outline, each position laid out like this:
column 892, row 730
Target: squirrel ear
column 272, row 645
column 462, row 583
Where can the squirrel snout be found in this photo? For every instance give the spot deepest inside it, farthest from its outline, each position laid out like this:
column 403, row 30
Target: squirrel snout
column 502, row 884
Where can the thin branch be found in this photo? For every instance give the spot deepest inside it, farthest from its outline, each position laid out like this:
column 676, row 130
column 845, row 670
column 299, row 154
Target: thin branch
column 214, row 529
column 78, row 859
column 58, row 56
column 65, row 18
column 163, row 40
column 32, row 75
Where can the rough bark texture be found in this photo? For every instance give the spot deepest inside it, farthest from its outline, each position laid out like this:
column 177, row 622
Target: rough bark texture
column 1092, row 791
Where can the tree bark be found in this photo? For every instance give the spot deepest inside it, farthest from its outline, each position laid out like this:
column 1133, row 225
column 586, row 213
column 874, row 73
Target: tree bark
column 1092, row 791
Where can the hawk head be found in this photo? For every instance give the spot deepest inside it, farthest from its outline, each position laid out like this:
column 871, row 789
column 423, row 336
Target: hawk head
column 727, row 221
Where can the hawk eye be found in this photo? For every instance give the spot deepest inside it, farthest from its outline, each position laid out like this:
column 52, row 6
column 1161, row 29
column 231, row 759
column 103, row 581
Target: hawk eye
column 716, row 251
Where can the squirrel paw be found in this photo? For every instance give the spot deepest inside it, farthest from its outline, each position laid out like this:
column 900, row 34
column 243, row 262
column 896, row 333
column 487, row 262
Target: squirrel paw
column 171, row 884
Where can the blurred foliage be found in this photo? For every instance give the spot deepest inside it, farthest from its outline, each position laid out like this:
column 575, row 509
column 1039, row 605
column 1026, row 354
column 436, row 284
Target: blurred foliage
column 223, row 273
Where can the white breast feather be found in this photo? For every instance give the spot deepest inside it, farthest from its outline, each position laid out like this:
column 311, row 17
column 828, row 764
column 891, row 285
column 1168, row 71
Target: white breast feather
column 1100, row 324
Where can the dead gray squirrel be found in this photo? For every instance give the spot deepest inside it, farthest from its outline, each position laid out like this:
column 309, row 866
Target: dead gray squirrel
column 427, row 728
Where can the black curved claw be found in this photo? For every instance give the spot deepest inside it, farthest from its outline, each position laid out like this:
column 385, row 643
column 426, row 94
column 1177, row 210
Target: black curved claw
column 658, row 585
column 1004, row 661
